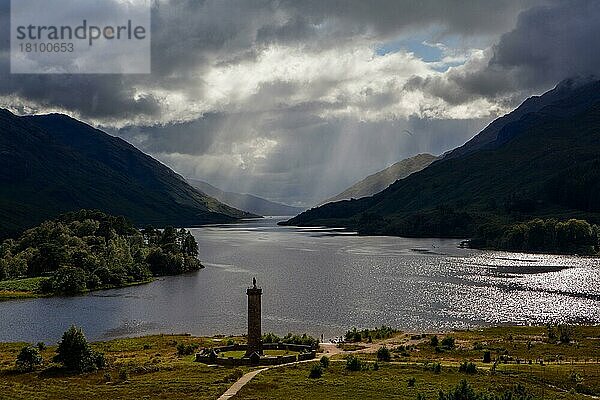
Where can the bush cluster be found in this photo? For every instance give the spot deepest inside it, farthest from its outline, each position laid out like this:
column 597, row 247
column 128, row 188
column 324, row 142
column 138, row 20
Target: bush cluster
column 367, row 335
column 290, row 338
column 86, row 250
column 562, row 333
column 550, row 235
column 464, row 391
column 467, row 367
column 186, row 349
column 435, row 367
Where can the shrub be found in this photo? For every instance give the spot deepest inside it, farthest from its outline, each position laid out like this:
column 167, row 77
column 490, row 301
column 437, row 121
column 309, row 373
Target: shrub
column 383, row 354
column 436, row 367
column 368, row 335
column 435, row 342
column 551, row 332
column 75, row 353
column 565, row 333
column 324, row 362
column 186, row 349
column 376, row 366
column 316, row 371
column 411, row 381
column 304, row 339
column 270, row 338
column 464, row 391
column 562, row 333
column 487, row 356
column 448, row 343
column 41, row 346
column 353, row 363
column 99, row 360
column 467, row 368
column 123, row 374
column 29, row 357
column 107, row 377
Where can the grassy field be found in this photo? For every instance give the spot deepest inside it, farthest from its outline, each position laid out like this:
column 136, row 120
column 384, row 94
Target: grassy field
column 20, row 288
column 557, row 371
column 30, row 288
column 140, row 368
column 391, row 381
column 149, row 367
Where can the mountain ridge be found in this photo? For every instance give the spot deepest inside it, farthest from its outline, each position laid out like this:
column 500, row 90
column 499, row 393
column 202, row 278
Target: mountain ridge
column 378, row 181
column 542, row 164
column 244, row 201
column 54, row 164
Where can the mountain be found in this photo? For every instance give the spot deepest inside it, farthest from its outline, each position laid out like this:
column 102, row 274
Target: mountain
column 533, row 104
column 246, row 202
column 377, row 182
column 51, row 164
column 541, row 163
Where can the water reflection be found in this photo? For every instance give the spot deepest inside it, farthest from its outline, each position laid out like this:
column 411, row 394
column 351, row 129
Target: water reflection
column 324, row 281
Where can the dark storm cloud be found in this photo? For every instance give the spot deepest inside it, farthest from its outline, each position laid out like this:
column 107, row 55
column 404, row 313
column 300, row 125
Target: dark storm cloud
column 187, row 36
column 391, row 16
column 549, row 43
column 192, row 138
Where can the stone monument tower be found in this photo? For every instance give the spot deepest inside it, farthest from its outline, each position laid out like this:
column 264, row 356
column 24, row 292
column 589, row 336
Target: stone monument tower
column 254, row 320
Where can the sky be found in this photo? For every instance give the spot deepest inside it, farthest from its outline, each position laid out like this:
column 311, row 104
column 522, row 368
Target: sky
column 295, row 100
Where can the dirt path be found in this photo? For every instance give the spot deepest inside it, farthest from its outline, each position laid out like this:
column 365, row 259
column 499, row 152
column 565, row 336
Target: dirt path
column 233, row 389
column 240, row 383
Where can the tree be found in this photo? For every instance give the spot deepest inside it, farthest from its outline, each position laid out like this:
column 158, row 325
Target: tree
column 448, row 342
column 383, row 354
column 75, row 353
column 150, row 235
column 168, row 240
column 189, row 245
column 67, row 280
column 29, row 357
column 3, row 269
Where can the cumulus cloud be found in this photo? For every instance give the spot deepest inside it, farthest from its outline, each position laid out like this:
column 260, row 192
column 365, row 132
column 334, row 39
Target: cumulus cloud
column 193, row 42
column 549, row 43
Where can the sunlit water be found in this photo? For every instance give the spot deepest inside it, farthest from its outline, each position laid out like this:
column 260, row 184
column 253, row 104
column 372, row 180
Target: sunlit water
column 322, row 282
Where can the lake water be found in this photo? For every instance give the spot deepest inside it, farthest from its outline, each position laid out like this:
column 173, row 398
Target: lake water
column 324, row 281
